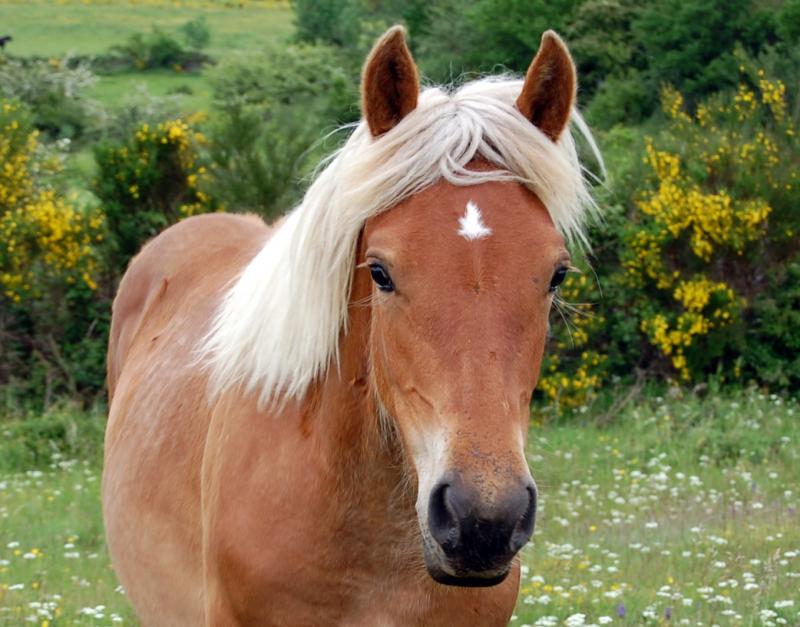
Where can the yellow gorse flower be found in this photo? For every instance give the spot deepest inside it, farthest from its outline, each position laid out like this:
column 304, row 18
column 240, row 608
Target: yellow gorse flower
column 689, row 217
column 43, row 237
column 679, row 206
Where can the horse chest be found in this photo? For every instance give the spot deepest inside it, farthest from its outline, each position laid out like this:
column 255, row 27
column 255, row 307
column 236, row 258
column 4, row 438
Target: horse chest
column 290, row 542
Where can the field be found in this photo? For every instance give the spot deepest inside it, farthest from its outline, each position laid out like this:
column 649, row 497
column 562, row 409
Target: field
column 684, row 511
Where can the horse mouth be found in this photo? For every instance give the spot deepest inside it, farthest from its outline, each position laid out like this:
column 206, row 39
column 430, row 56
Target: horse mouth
column 469, row 579
column 454, row 572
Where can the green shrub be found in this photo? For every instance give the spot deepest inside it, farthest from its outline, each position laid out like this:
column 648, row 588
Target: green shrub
column 49, row 269
column 54, row 91
column 159, row 49
column 257, row 163
column 720, row 209
column 690, row 44
column 353, row 25
column 314, row 78
column 701, row 266
column 196, row 33
column 271, row 110
column 771, row 347
column 147, row 182
column 137, row 108
column 620, row 99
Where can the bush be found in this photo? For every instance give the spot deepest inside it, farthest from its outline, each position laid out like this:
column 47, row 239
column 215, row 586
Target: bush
column 702, row 270
column 353, row 25
column 137, row 108
column 314, row 78
column 720, row 211
column 46, row 241
column 271, row 111
column 159, row 49
column 53, row 90
column 49, row 266
column 691, row 44
column 771, row 347
column 620, row 99
column 147, row 182
column 196, row 33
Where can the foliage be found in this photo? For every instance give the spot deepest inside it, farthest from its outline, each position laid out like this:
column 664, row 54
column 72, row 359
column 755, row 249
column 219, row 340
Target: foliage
column 450, row 36
column 45, row 240
column 624, row 49
column 703, row 264
column 691, row 44
column 321, row 21
column 771, row 347
column 48, row 267
column 272, row 109
column 147, row 182
column 601, row 39
column 54, row 90
column 353, row 25
column 196, row 33
column 507, row 32
column 137, row 107
column 159, row 49
column 314, row 77
column 720, row 211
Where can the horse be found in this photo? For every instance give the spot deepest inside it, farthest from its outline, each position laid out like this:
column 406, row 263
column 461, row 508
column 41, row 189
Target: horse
column 324, row 421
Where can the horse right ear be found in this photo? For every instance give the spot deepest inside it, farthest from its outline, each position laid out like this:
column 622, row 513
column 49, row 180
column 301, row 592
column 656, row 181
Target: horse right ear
column 548, row 93
column 390, row 82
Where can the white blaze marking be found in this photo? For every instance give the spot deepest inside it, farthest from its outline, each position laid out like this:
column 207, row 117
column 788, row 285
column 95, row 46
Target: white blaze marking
column 430, row 452
column 472, row 226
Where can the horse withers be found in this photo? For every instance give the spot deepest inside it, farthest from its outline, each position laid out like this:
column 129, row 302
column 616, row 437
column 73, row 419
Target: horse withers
column 324, row 421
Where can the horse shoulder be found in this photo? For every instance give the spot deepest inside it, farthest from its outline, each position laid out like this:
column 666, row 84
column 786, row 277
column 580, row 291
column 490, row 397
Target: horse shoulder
column 199, row 255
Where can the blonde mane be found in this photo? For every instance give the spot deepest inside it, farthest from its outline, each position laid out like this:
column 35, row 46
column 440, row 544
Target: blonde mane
column 278, row 326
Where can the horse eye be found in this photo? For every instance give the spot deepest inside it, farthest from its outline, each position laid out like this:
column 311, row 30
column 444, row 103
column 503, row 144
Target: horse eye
column 558, row 278
column 381, row 277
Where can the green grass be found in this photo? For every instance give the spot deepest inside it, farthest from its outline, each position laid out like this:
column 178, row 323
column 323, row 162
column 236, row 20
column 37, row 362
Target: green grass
column 686, row 507
column 53, row 563
column 682, row 508
column 191, row 90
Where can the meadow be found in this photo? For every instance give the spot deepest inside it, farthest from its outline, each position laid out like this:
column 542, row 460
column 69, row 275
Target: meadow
column 682, row 511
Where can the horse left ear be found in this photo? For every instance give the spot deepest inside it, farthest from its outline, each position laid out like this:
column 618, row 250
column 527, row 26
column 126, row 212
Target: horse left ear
column 390, row 83
column 550, row 86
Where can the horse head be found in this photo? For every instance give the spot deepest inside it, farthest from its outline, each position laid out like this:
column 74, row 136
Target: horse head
column 463, row 278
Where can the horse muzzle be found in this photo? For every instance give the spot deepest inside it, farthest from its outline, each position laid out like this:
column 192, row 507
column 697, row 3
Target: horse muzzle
column 473, row 540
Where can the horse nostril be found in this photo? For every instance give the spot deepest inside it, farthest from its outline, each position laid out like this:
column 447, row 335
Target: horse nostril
column 524, row 527
column 442, row 520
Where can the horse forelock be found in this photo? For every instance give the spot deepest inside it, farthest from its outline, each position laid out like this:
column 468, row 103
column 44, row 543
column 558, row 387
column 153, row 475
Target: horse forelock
column 277, row 328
